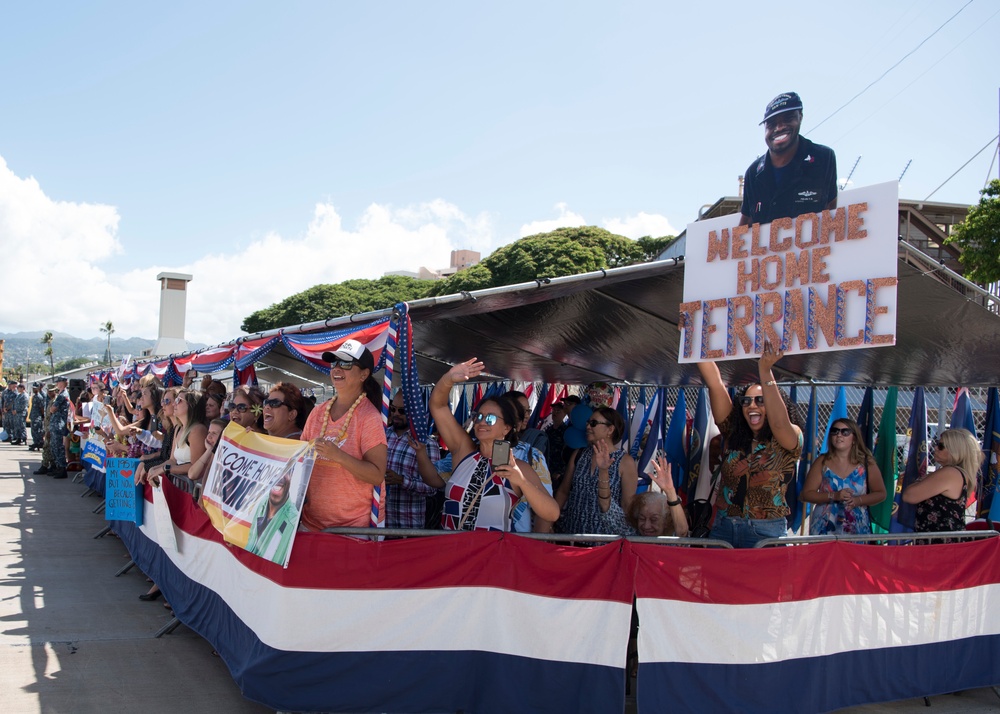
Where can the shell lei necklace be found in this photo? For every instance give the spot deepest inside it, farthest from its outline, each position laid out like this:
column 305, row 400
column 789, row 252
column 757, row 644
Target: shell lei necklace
column 347, row 421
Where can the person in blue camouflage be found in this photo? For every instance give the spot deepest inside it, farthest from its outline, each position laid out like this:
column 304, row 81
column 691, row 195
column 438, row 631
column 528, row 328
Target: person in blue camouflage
column 36, row 413
column 58, row 429
column 7, row 406
column 20, row 433
column 48, row 461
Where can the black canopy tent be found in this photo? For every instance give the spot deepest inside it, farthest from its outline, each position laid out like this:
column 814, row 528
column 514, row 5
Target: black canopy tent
column 621, row 325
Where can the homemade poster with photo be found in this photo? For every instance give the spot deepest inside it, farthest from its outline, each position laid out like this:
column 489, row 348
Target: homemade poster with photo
column 255, row 488
column 819, row 282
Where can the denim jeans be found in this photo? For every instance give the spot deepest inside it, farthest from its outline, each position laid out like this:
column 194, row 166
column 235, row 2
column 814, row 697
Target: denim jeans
column 747, row 532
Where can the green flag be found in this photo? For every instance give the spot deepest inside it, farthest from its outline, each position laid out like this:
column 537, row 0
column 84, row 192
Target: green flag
column 885, row 457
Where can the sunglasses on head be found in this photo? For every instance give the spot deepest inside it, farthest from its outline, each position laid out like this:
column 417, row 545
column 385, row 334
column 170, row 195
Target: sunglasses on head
column 593, row 423
column 273, row 403
column 490, row 419
column 843, row 431
column 344, row 363
column 397, row 410
column 747, row 401
column 241, row 408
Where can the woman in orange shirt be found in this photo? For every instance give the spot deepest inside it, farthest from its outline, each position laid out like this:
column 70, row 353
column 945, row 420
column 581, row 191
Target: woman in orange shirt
column 350, row 444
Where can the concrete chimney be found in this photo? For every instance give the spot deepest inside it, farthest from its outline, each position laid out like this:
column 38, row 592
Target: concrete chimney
column 173, row 310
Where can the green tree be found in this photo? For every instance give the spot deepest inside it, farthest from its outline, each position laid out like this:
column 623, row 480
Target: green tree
column 978, row 237
column 47, row 341
column 322, row 302
column 108, row 328
column 564, row 251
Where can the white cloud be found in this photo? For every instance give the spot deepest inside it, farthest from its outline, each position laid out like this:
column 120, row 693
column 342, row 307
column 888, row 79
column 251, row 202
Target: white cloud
column 643, row 224
column 52, row 249
column 60, row 249
column 566, row 219
column 60, row 285
column 275, row 267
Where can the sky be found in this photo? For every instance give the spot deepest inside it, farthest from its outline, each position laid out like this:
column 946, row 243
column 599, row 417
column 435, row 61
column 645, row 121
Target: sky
column 268, row 147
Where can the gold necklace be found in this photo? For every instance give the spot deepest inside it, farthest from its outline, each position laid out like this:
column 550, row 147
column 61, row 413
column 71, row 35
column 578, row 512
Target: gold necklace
column 329, row 413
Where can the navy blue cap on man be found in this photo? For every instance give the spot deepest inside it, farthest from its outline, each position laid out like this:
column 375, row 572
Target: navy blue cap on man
column 784, row 102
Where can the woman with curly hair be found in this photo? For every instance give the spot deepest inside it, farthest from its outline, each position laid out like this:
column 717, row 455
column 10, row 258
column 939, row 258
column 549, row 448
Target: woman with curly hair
column 763, row 434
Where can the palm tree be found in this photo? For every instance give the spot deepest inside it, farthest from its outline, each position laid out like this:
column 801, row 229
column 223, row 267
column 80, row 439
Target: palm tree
column 108, row 328
column 47, row 340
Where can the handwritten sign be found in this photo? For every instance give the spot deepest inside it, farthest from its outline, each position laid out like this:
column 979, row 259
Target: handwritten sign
column 818, row 282
column 123, row 498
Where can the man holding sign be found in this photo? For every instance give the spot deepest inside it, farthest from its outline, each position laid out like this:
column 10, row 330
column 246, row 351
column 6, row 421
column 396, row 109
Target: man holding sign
column 795, row 176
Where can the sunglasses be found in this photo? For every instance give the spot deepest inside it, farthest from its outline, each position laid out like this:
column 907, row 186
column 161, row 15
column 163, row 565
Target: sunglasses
column 490, row 419
column 397, row 410
column 166, row 401
column 273, row 403
column 241, row 408
column 938, row 446
column 843, row 431
column 747, row 401
column 593, row 423
column 344, row 363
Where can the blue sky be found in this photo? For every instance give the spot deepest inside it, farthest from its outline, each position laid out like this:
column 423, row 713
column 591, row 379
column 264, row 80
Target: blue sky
column 267, row 147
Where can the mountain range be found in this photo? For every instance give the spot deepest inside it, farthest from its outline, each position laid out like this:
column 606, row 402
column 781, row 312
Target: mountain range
column 26, row 347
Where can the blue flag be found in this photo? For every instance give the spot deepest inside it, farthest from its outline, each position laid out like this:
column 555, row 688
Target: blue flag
column 462, row 408
column 796, row 510
column 903, row 514
column 655, row 439
column 991, row 464
column 961, row 414
column 543, row 395
column 839, row 412
column 675, row 443
column 643, row 415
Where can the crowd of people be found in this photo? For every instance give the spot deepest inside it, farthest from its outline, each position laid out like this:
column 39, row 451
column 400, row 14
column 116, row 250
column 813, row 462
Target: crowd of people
column 494, row 472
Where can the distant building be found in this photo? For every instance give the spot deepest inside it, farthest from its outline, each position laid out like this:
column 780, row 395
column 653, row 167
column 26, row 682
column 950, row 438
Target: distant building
column 460, row 260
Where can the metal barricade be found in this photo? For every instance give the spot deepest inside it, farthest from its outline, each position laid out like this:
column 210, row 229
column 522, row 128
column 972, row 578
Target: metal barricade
column 549, row 537
column 878, row 538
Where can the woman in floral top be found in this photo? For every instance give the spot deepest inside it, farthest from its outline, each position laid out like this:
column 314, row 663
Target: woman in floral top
column 763, row 441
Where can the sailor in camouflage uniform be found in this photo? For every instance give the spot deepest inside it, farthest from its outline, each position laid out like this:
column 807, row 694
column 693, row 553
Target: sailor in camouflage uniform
column 37, row 416
column 48, row 462
column 7, row 405
column 20, row 434
column 58, row 429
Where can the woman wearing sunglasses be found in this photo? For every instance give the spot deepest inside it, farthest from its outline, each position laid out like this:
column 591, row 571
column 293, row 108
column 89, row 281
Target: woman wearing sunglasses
column 843, row 483
column 480, row 495
column 247, row 408
column 285, row 411
column 600, row 481
column 941, row 495
column 350, row 443
column 763, row 437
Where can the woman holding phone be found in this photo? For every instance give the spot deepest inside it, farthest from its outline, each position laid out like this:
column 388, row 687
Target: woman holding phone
column 486, row 483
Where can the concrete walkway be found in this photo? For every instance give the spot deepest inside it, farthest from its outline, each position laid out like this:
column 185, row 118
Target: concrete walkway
column 73, row 637
column 76, row 639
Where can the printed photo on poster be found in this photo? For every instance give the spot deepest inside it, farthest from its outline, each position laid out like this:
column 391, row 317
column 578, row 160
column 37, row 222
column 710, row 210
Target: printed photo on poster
column 255, row 489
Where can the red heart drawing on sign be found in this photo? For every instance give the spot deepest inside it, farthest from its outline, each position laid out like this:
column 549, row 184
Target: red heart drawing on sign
column 126, row 474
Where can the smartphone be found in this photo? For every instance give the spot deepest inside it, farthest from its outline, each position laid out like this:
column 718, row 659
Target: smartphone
column 501, row 452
